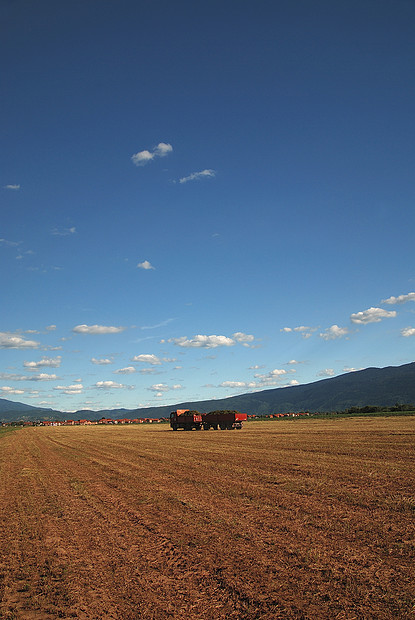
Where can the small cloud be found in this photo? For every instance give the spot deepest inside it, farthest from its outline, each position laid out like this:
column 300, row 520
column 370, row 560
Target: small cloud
column 71, row 390
column 347, row 369
column 109, row 385
column 101, row 361
column 14, row 341
column 45, row 362
column 143, row 157
column 97, row 329
column 401, row 299
column 147, row 358
column 245, row 339
column 50, row 328
column 15, row 187
column 208, row 342
column 146, row 265
column 301, row 329
column 125, row 371
column 256, row 367
column 11, row 244
column 372, row 315
column 408, row 331
column 63, row 232
column 327, row 372
column 333, row 332
column 11, row 391
column 196, row 176
column 163, row 387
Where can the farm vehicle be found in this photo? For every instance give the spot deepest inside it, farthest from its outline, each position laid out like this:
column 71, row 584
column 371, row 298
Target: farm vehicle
column 189, row 420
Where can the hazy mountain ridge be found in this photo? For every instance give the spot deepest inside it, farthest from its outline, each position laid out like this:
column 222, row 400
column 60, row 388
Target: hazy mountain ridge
column 371, row 386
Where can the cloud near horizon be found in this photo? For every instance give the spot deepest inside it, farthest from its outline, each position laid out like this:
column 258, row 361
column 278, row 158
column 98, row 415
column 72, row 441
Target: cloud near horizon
column 144, row 157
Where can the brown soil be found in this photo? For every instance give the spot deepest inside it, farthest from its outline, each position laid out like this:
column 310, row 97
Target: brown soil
column 291, row 519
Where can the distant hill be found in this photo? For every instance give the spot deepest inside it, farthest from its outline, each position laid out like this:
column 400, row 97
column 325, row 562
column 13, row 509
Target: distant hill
column 372, row 386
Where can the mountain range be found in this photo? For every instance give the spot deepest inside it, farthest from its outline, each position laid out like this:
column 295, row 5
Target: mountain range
column 371, row 386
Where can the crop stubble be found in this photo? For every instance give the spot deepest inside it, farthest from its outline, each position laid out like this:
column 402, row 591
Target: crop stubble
column 290, row 519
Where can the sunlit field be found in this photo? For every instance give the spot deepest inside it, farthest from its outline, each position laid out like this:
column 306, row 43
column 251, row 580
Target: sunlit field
column 287, row 519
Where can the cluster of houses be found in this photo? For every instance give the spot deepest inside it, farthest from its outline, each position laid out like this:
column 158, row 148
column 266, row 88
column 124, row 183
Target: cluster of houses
column 252, row 416
column 90, row 422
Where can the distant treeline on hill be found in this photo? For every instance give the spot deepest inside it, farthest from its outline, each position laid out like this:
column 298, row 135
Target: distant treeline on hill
column 374, row 409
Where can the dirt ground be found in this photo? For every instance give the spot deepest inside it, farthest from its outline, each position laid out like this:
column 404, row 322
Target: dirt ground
column 307, row 519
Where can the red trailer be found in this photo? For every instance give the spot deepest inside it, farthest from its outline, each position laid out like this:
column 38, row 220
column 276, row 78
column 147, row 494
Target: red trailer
column 225, row 420
column 185, row 419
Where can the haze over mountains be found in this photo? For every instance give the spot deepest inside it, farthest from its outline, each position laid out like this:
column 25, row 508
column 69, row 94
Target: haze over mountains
column 372, row 386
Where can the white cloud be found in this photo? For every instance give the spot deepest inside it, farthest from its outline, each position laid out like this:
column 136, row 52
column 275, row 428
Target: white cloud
column 11, row 244
column 125, row 371
column 15, row 187
column 163, row 149
column 237, row 384
column 196, row 176
column 163, row 387
column 110, row 385
column 63, row 232
column 326, row 372
column 408, row 331
column 294, row 362
column 102, row 361
column 146, row 265
column 348, row 369
column 256, row 367
column 43, row 376
column 371, row 315
column 50, row 328
column 143, row 157
column 148, row 371
column 333, row 332
column 40, row 377
column 207, row 342
column 147, row 358
column 9, row 390
column 70, row 389
column 97, row 329
column 45, row 362
column 14, row 341
column 401, row 299
column 301, row 329
column 245, row 339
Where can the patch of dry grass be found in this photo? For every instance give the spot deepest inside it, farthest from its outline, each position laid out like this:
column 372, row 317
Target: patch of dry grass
column 280, row 520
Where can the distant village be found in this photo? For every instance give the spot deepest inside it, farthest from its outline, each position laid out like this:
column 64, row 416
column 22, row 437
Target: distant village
column 109, row 421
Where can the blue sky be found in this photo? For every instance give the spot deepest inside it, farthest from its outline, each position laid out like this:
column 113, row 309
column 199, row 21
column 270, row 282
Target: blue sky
column 203, row 199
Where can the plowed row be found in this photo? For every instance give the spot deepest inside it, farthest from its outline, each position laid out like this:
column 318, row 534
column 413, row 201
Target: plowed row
column 290, row 519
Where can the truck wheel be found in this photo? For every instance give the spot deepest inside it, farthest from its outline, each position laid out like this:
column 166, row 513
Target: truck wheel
column 174, row 427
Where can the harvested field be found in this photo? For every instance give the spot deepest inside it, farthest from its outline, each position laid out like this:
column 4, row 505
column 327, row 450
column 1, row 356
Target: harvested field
column 291, row 519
